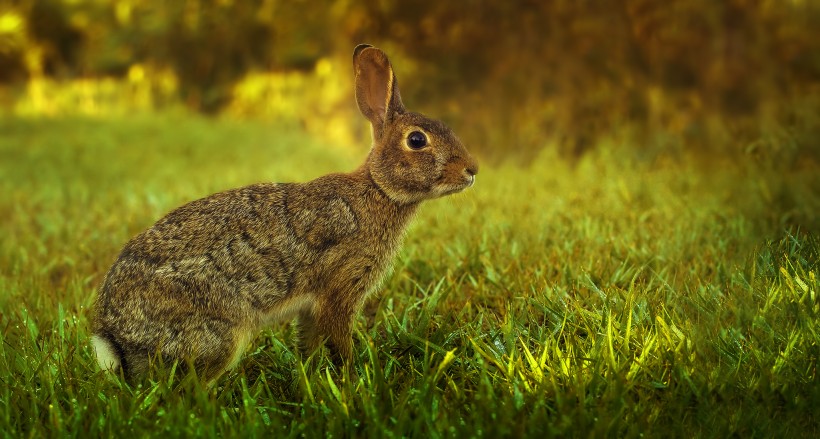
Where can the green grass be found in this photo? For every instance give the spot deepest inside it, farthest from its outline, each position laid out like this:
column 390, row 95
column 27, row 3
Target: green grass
column 607, row 297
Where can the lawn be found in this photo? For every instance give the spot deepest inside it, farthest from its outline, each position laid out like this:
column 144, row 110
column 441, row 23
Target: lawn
column 613, row 295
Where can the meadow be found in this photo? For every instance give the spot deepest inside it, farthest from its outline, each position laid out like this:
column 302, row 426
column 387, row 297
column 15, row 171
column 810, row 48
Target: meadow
column 610, row 295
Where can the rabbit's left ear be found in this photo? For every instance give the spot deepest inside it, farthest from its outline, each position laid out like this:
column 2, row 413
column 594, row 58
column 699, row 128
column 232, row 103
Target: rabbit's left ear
column 377, row 92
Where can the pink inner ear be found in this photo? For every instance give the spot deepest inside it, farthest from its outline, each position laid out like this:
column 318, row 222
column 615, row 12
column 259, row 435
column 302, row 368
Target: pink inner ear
column 377, row 94
column 374, row 79
column 379, row 84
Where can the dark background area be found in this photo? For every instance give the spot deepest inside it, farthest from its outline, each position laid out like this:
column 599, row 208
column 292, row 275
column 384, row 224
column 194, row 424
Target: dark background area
column 700, row 76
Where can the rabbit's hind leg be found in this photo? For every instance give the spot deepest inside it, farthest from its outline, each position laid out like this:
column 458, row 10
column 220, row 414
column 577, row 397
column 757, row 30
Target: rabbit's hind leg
column 221, row 352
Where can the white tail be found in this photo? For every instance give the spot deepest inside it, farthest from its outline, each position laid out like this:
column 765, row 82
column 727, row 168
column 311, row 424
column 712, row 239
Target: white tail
column 107, row 358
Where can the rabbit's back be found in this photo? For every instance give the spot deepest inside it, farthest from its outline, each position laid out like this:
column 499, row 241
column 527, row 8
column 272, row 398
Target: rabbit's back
column 205, row 271
column 226, row 247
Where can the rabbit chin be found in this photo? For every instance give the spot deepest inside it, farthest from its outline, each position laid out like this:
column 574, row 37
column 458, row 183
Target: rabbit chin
column 437, row 191
column 449, row 189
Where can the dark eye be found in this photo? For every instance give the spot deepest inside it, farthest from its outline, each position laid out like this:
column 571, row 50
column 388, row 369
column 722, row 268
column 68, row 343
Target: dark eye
column 416, row 140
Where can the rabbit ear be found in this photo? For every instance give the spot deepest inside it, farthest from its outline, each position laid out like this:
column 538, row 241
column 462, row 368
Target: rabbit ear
column 376, row 90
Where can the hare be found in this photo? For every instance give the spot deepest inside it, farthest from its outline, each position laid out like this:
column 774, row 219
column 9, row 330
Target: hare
column 204, row 280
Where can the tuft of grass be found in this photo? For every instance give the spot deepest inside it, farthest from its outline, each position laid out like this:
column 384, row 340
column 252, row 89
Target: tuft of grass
column 605, row 297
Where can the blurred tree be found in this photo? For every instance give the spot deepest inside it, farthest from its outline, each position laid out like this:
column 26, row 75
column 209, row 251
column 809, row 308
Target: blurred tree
column 36, row 38
column 59, row 40
column 12, row 46
column 209, row 45
column 518, row 72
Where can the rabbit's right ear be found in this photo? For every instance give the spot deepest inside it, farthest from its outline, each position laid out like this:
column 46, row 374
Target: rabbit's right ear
column 376, row 90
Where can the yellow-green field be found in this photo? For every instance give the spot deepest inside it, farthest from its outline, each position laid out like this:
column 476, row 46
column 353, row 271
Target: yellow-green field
column 608, row 296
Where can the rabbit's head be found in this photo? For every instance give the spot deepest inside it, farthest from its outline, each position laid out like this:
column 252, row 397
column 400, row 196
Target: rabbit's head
column 413, row 157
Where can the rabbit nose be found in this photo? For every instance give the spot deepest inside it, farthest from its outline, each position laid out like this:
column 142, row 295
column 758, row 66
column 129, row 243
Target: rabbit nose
column 471, row 170
column 470, row 173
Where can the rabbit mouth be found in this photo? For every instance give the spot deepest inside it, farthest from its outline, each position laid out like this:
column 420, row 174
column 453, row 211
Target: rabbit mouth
column 456, row 187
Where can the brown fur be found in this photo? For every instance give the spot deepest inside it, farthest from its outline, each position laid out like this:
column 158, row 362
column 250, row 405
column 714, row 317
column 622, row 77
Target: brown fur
column 202, row 281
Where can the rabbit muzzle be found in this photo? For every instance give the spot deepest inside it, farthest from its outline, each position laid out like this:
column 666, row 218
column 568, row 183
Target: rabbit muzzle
column 462, row 181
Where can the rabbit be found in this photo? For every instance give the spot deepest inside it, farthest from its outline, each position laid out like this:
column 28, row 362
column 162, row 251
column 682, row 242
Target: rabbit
column 200, row 284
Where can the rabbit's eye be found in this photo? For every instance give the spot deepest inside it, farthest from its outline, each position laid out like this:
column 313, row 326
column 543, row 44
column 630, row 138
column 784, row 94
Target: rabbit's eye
column 416, row 140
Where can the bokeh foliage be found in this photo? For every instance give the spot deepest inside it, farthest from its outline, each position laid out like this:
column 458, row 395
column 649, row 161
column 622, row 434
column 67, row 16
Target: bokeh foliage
column 694, row 75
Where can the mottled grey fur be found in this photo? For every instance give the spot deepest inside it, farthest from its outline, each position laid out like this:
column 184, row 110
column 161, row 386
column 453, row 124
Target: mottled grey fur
column 201, row 283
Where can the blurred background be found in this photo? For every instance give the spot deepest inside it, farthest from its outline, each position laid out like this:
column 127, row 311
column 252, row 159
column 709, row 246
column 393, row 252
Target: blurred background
column 736, row 78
